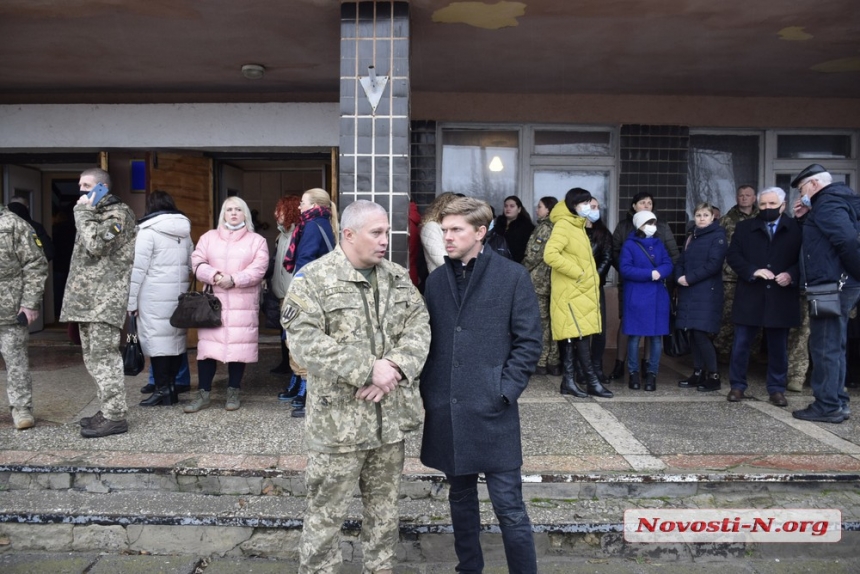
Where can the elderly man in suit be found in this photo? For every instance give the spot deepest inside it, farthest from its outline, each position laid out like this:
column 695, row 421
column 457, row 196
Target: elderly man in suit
column 485, row 344
column 764, row 253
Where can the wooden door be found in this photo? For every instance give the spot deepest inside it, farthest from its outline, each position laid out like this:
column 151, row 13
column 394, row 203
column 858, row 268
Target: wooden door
column 189, row 180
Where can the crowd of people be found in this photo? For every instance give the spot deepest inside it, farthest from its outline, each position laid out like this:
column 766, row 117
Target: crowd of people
column 370, row 358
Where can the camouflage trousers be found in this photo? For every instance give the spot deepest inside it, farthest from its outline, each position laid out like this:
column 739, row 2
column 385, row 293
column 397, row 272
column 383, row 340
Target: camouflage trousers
column 331, row 480
column 549, row 351
column 13, row 347
column 724, row 339
column 798, row 351
column 100, row 345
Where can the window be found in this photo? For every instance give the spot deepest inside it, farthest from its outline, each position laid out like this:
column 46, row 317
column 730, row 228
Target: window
column 481, row 163
column 582, row 143
column 718, row 165
column 806, row 146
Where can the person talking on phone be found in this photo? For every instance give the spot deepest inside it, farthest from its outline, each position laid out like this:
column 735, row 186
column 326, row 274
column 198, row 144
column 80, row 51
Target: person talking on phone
column 24, row 269
column 96, row 294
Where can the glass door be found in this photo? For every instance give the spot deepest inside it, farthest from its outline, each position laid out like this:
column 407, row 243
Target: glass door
column 556, row 181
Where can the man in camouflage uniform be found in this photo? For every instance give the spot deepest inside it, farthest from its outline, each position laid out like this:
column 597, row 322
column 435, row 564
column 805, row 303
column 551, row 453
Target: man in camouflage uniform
column 23, row 271
column 745, row 208
column 97, row 296
column 799, row 367
column 359, row 326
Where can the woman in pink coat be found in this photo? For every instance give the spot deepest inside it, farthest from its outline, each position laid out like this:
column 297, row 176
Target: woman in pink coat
column 233, row 259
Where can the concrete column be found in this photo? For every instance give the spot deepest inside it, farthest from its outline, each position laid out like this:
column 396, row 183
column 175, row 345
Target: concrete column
column 374, row 144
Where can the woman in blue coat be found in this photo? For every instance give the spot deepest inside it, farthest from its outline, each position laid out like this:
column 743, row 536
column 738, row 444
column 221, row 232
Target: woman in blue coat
column 700, row 296
column 645, row 265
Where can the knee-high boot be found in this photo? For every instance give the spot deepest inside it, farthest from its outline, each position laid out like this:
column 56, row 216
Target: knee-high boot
column 583, row 355
column 568, row 375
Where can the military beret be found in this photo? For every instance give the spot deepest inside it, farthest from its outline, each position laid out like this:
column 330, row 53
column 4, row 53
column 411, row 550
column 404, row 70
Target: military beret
column 808, row 171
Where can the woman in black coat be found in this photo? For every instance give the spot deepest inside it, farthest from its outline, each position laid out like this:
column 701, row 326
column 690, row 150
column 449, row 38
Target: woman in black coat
column 515, row 226
column 601, row 247
column 700, row 295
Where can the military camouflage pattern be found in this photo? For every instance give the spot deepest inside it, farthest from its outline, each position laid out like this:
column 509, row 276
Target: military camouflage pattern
column 533, row 261
column 13, row 347
column 799, row 365
column 549, row 347
column 100, row 273
column 331, row 480
column 337, row 331
column 729, row 221
column 100, row 345
column 23, row 267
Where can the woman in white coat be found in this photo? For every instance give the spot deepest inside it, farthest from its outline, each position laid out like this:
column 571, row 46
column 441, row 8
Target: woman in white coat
column 162, row 264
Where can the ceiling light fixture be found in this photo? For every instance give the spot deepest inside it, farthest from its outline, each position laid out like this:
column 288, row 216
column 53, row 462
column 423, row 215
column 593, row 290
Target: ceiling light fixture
column 496, row 164
column 253, row 71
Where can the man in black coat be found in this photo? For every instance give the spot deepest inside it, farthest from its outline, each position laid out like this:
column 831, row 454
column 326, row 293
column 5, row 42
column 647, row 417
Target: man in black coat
column 829, row 214
column 764, row 253
column 486, row 341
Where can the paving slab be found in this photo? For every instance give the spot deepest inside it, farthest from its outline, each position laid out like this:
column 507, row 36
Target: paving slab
column 45, row 563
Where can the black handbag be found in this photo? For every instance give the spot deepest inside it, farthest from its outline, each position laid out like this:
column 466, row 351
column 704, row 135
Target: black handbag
column 823, row 300
column 677, row 342
column 132, row 354
column 197, row 309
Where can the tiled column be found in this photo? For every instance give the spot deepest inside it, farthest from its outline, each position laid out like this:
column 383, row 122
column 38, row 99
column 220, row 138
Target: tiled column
column 374, row 145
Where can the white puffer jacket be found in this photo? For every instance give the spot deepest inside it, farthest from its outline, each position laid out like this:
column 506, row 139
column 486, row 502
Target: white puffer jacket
column 162, row 267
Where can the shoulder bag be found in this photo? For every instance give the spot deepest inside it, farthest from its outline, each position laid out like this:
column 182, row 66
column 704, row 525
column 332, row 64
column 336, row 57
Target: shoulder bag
column 132, row 354
column 197, row 310
column 823, row 300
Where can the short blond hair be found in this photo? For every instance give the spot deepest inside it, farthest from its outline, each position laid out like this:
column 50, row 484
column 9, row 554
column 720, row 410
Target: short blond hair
column 476, row 212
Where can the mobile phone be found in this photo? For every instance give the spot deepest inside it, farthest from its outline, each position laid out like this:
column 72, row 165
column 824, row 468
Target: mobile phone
column 98, row 192
column 22, row 319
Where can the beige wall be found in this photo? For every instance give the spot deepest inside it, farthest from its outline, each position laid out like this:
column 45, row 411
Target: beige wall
column 655, row 110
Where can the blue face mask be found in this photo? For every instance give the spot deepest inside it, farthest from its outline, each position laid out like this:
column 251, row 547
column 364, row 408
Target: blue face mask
column 593, row 215
column 804, row 199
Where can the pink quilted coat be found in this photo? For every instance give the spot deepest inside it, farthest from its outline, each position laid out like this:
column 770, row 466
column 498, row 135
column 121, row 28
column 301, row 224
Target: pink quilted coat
column 243, row 255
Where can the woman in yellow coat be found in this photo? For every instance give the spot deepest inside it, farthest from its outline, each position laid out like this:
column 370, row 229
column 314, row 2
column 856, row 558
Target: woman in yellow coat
column 575, row 292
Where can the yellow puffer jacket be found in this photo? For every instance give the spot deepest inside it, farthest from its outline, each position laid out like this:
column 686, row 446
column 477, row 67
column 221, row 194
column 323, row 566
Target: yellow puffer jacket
column 575, row 285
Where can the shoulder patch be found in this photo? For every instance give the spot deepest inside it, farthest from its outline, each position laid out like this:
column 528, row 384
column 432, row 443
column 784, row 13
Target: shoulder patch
column 111, row 233
column 36, row 240
column 292, row 308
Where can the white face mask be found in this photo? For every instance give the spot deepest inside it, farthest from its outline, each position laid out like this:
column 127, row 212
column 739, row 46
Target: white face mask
column 649, row 230
column 583, row 210
column 593, row 215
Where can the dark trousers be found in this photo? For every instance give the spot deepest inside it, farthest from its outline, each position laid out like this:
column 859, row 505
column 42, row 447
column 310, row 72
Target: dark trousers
column 206, row 373
column 828, row 337
column 777, row 357
column 506, row 494
column 598, row 340
column 165, row 369
column 704, row 352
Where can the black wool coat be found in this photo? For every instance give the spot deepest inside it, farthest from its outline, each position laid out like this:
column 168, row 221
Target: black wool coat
column 700, row 305
column 760, row 303
column 482, row 351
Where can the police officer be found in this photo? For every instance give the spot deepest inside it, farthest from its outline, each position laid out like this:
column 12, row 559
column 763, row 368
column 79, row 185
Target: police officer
column 23, row 269
column 359, row 326
column 97, row 294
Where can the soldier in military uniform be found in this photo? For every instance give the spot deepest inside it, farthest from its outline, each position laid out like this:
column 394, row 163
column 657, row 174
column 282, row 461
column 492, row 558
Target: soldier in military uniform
column 360, row 327
column 23, row 269
column 799, row 367
column 97, row 294
column 745, row 208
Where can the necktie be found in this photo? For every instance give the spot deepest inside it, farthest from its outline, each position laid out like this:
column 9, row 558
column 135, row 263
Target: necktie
column 770, row 229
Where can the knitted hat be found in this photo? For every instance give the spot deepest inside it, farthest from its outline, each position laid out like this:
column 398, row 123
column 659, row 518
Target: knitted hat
column 641, row 217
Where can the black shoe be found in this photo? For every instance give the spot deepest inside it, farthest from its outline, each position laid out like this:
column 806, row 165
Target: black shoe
column 617, row 371
column 554, row 370
column 181, row 388
column 298, row 413
column 147, row 389
column 302, row 396
column 650, row 382
column 710, row 383
column 568, row 376
column 540, row 370
column 846, row 412
column 292, row 390
column 633, row 384
column 692, row 381
column 161, row 396
column 809, row 414
column 105, row 428
column 598, row 370
column 89, row 421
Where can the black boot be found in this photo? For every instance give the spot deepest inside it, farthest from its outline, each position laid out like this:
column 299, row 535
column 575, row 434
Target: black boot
column 650, row 382
column 583, row 353
column 633, row 384
column 284, row 367
column 598, row 368
column 161, row 396
column 711, row 382
column 568, row 374
column 693, row 380
column 617, row 371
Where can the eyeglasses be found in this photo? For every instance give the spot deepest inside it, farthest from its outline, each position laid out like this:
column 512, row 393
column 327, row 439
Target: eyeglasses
column 800, row 187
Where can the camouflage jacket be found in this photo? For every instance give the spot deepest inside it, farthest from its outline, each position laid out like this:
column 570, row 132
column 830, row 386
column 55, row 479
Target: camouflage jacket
column 533, row 260
column 100, row 272
column 23, row 267
column 337, row 331
column 729, row 221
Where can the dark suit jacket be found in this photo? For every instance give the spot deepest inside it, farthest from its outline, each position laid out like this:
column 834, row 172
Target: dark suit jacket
column 761, row 303
column 481, row 351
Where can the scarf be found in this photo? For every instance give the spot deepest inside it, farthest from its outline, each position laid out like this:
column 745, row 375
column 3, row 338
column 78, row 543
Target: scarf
column 304, row 219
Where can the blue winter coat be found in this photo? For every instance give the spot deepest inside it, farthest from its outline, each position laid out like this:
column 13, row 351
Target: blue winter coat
column 312, row 246
column 830, row 232
column 700, row 306
column 646, row 302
